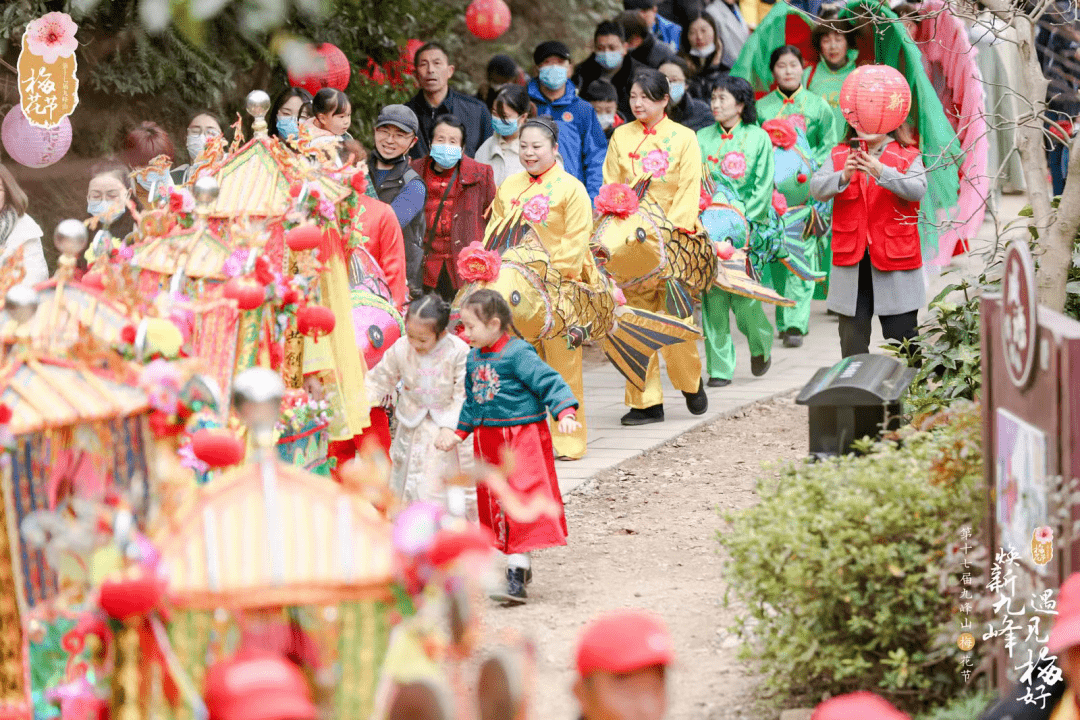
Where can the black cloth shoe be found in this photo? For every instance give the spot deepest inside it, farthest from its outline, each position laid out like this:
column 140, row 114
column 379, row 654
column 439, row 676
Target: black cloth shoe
column 759, row 365
column 644, row 416
column 718, row 382
column 515, row 588
column 697, row 402
column 782, row 334
column 793, row 339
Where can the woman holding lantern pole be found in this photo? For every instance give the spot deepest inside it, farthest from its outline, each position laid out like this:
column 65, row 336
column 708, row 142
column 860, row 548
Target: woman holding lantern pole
column 876, row 183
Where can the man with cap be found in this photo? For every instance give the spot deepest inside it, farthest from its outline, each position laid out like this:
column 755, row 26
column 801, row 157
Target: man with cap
column 665, row 31
column 622, row 662
column 581, row 139
column 1037, row 698
column 399, row 186
column 436, row 98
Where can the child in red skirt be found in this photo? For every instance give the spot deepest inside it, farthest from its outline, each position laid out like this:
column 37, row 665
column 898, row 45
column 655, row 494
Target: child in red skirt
column 508, row 392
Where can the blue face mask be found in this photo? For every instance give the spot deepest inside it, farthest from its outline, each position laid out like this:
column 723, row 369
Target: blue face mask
column 97, row 208
column 446, row 156
column 609, row 59
column 504, row 128
column 288, row 126
column 553, row 77
column 676, row 90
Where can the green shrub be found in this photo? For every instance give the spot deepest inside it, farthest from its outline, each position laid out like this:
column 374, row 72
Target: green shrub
column 964, row 707
column 840, row 567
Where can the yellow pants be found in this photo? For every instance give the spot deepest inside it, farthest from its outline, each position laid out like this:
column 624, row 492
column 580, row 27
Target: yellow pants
column 683, row 361
column 568, row 362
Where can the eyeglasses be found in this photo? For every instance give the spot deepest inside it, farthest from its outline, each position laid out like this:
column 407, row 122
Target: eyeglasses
column 199, row 132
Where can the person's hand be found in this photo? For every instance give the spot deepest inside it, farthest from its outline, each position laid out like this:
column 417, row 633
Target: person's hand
column 446, row 440
column 869, row 164
column 851, row 165
column 568, row 425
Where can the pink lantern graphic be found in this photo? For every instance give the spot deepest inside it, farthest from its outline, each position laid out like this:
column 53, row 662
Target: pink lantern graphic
column 32, row 146
column 487, row 19
column 875, row 99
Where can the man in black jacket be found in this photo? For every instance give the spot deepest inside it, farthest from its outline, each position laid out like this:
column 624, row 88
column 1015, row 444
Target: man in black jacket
column 642, row 43
column 610, row 60
column 436, row 98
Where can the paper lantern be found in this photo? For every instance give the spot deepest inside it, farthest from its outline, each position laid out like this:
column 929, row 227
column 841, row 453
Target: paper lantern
column 304, row 237
column 336, row 73
column 875, row 99
column 315, row 321
column 217, row 448
column 247, row 292
column 487, row 19
column 130, row 596
column 32, row 146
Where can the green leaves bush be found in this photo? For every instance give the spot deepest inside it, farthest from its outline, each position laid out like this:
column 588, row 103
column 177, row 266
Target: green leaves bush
column 841, row 567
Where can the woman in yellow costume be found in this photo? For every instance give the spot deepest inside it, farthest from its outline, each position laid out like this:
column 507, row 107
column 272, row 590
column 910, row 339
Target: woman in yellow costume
column 657, row 145
column 556, row 206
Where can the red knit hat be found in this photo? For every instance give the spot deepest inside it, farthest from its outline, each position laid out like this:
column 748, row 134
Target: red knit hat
column 624, row 641
column 857, row 706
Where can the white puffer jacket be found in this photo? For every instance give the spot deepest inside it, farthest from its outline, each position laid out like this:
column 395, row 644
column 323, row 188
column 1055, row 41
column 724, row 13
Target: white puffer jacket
column 27, row 232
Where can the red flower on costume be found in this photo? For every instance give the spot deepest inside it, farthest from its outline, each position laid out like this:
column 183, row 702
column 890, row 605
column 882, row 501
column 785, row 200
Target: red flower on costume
column 733, row 165
column 656, row 162
column 181, row 200
column 475, row 264
column 782, row 132
column 5, row 414
column 128, row 334
column 537, row 208
column 485, row 383
column 799, row 120
column 359, row 182
column 779, row 202
column 618, row 199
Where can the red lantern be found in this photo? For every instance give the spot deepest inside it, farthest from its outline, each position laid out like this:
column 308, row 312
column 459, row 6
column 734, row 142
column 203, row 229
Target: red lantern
column 315, row 321
column 336, row 72
column 33, row 146
column 304, row 237
column 487, row 19
column 130, row 596
column 875, row 99
column 247, row 292
column 217, row 448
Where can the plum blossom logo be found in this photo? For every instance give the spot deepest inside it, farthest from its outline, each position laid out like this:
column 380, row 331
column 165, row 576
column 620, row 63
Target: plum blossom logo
column 1042, row 545
column 52, row 36
column 537, row 208
column 485, row 383
column 656, row 162
column 733, row 165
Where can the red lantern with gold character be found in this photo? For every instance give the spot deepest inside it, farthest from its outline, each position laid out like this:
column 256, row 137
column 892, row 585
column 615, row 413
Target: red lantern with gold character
column 875, row 99
column 487, row 19
column 336, row 73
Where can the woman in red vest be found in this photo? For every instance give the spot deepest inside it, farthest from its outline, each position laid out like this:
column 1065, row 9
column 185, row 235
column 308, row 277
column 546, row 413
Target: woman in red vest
column 876, row 184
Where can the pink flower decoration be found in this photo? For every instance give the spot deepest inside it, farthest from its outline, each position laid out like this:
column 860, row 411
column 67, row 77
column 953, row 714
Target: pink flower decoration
column 188, row 459
column 724, row 250
column 733, row 165
column 618, row 199
column 125, row 252
column 181, row 200
column 618, row 295
column 234, row 266
column 782, row 132
column 161, row 382
column 52, row 36
column 476, row 264
column 537, row 208
column 326, row 209
column 656, row 162
column 1044, row 534
column 779, row 202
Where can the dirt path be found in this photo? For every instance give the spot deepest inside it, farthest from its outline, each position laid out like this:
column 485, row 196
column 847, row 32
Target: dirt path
column 644, row 535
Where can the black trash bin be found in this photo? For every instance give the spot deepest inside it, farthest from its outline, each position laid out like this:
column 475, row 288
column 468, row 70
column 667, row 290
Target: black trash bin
column 855, row 398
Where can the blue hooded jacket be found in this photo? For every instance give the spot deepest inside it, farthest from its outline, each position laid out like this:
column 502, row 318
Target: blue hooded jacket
column 582, row 143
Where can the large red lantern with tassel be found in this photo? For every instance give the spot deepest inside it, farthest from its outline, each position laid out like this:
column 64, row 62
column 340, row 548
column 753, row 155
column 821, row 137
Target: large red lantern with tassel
column 487, row 19
column 315, row 321
column 131, row 595
column 247, row 292
column 303, row 237
column 217, row 448
column 875, row 99
column 336, row 73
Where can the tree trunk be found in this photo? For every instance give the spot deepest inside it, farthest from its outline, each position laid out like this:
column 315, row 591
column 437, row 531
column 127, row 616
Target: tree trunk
column 1063, row 232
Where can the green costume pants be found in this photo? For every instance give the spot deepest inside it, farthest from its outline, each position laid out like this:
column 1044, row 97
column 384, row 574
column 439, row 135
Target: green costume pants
column 783, row 281
column 716, row 308
column 823, row 253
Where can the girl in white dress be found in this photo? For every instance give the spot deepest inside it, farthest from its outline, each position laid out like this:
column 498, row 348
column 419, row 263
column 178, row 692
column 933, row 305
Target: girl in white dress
column 429, row 364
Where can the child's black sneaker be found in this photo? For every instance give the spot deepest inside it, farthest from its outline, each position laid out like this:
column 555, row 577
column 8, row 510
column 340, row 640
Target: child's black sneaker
column 515, row 587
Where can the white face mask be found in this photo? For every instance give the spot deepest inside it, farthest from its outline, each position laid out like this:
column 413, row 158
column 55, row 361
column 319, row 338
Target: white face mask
column 606, row 121
column 703, row 52
column 195, row 145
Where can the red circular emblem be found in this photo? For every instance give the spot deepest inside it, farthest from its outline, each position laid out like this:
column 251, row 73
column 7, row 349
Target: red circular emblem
column 1019, row 323
column 568, row 116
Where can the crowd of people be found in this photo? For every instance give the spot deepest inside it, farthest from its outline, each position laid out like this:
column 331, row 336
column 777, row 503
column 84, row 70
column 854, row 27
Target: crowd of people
column 653, row 98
